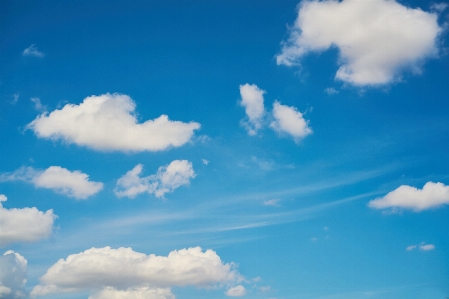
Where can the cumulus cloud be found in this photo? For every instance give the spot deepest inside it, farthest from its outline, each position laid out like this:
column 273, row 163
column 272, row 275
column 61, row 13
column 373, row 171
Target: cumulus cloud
column 138, row 273
column 33, row 51
column 176, row 174
column 24, row 225
column 134, row 293
column 13, row 275
column 288, row 120
column 252, row 101
column 432, row 195
column 108, row 123
column 376, row 39
column 74, row 184
column 236, row 291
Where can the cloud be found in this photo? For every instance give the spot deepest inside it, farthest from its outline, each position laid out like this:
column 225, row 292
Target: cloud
column 432, row 195
column 38, row 105
column 330, row 91
column 13, row 275
column 205, row 162
column 33, row 51
column 24, row 225
column 265, row 288
column 288, row 120
column 178, row 173
column 236, row 291
column 272, row 202
column 74, row 184
column 123, row 268
column 108, row 123
column 252, row 100
column 423, row 247
column 376, row 39
column 134, row 293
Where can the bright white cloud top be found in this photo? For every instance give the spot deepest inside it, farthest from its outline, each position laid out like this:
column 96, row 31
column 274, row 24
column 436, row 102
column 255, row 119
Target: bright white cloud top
column 236, row 291
column 376, row 39
column 176, row 174
column 252, row 101
column 13, row 275
column 108, row 123
column 24, row 225
column 288, row 120
column 74, row 184
column 123, row 268
column 432, row 195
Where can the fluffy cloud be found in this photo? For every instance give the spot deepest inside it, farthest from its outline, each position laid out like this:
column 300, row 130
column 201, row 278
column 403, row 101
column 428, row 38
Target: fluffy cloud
column 134, row 293
column 24, row 225
column 33, row 51
column 432, row 195
column 74, row 184
column 236, row 291
column 423, row 247
column 125, row 269
column 252, row 100
column 167, row 179
column 108, row 123
column 288, row 120
column 13, row 274
column 376, row 39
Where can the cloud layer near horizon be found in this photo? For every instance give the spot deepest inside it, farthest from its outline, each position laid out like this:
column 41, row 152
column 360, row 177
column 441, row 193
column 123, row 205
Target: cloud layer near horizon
column 24, row 225
column 108, row 123
column 125, row 269
column 432, row 195
column 376, row 39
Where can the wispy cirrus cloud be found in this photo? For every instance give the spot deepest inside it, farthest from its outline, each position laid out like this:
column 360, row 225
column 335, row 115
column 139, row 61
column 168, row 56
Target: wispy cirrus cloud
column 33, row 51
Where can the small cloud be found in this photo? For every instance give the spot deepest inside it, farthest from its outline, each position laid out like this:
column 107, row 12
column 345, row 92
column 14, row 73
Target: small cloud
column 331, row 91
column 326, row 228
column 427, row 247
column 256, row 279
column 252, row 101
column 38, row 105
column 205, row 162
column 411, row 247
column 33, row 51
column 272, row 202
column 314, row 239
column 15, row 99
column 236, row 291
column 167, row 179
column 432, row 195
column 288, row 120
column 263, row 164
column 438, row 7
column 264, row 289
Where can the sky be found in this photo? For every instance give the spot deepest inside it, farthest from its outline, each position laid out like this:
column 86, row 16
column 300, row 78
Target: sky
column 216, row 149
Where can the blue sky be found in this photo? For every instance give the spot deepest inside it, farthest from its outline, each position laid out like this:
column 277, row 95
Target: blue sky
column 214, row 149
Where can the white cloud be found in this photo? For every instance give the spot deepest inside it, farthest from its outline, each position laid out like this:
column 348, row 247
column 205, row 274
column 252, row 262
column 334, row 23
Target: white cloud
column 123, row 268
column 432, row 195
column 423, row 247
column 236, row 291
column 13, row 275
column 205, row 162
column 330, row 91
column 427, row 247
column 376, row 39
column 134, row 293
column 32, row 51
column 74, row 184
column 167, row 179
column 108, row 123
column 272, row 202
column 290, row 121
column 38, row 105
column 24, row 225
column 252, row 100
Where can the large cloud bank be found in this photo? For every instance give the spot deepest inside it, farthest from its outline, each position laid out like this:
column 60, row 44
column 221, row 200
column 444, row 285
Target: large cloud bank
column 176, row 174
column 432, row 195
column 108, row 123
column 13, row 275
column 121, row 272
column 24, row 225
column 74, row 184
column 285, row 120
column 376, row 39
